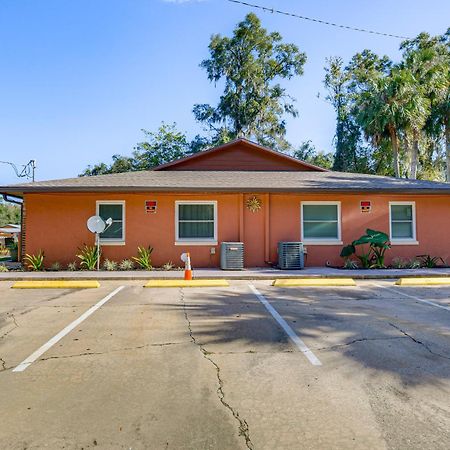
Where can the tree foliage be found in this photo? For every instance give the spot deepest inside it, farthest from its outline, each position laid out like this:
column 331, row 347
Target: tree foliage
column 160, row 147
column 307, row 152
column 397, row 114
column 253, row 103
column 9, row 214
column 392, row 118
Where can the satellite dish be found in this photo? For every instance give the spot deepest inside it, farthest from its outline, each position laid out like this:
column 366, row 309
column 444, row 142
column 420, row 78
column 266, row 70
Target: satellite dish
column 184, row 257
column 109, row 222
column 96, row 224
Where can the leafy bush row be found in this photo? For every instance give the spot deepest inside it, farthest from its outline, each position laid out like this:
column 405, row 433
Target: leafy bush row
column 88, row 257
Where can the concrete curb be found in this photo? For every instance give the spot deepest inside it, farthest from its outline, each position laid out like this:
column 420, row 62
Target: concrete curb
column 386, row 274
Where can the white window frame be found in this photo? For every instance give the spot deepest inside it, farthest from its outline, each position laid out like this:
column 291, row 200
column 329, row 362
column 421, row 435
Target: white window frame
column 403, row 241
column 195, row 241
column 322, row 241
column 111, row 241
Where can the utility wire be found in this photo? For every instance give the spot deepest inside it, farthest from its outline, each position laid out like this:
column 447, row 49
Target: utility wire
column 323, row 22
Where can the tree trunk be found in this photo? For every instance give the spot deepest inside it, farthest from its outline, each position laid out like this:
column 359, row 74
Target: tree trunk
column 447, row 147
column 414, row 156
column 394, row 142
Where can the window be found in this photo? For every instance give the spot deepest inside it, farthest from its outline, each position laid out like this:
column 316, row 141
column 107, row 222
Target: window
column 196, row 222
column 402, row 222
column 321, row 222
column 115, row 234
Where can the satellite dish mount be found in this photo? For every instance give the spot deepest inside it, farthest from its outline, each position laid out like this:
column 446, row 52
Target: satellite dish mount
column 97, row 226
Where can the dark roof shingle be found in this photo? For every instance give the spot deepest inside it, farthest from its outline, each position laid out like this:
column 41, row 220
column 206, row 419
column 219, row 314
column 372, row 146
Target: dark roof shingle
column 231, row 181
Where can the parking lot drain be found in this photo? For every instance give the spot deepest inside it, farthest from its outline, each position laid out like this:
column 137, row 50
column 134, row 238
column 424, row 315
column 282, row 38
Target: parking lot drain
column 314, row 282
column 422, row 281
column 186, row 283
column 56, row 284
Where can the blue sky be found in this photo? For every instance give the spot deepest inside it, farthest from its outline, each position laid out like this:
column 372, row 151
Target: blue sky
column 80, row 78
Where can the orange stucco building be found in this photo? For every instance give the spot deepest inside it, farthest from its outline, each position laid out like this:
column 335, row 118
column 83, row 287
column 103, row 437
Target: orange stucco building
column 196, row 203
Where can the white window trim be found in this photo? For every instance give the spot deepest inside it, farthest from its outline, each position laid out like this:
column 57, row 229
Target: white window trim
column 110, row 241
column 404, row 241
column 195, row 241
column 322, row 241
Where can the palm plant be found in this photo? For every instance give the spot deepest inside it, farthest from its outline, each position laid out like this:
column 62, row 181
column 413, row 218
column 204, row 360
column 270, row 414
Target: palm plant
column 379, row 111
column 428, row 59
column 35, row 262
column 144, row 259
column 88, row 256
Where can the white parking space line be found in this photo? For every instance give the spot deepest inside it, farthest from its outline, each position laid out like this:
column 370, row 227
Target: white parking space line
column 41, row 350
column 422, row 300
column 289, row 331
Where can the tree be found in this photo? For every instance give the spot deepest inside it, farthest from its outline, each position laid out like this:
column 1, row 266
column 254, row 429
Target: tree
column 428, row 59
column 253, row 104
column 347, row 135
column 401, row 108
column 161, row 146
column 380, row 112
column 9, row 214
column 307, row 152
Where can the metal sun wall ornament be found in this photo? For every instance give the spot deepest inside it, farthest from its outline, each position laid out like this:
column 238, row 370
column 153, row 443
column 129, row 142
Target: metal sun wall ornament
column 253, row 204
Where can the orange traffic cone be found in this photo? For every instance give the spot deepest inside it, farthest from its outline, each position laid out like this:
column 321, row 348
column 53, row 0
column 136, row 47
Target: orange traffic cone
column 187, row 268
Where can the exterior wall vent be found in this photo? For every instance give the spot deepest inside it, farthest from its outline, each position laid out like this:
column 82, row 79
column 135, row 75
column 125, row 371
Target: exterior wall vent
column 232, row 255
column 290, row 255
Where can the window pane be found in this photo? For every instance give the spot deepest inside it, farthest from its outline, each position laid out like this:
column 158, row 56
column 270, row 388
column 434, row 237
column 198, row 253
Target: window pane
column 320, row 212
column 402, row 230
column 113, row 211
column 401, row 212
column 113, row 232
column 196, row 230
column 320, row 230
column 196, row 212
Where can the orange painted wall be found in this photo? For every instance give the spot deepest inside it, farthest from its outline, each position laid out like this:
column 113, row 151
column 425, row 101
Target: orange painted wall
column 56, row 223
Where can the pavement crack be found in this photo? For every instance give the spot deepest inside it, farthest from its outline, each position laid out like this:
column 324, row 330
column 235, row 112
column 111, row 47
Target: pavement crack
column 418, row 342
column 243, row 425
column 14, row 319
column 16, row 325
column 355, row 341
column 3, row 367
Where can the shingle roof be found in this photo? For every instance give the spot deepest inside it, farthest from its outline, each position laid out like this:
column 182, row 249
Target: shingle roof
column 231, row 181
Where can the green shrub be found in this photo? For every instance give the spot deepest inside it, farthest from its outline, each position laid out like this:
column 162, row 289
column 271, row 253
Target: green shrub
column 35, row 262
column 3, row 268
column 56, row 266
column 88, row 256
column 144, row 259
column 72, row 266
column 126, row 264
column 413, row 263
column 399, row 263
column 429, row 261
column 110, row 265
column 168, row 266
column 350, row 264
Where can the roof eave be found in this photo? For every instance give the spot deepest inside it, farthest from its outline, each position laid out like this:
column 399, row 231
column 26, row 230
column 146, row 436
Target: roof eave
column 204, row 189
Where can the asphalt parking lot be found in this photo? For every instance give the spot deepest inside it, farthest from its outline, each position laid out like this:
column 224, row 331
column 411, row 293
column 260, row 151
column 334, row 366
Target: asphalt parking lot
column 212, row 368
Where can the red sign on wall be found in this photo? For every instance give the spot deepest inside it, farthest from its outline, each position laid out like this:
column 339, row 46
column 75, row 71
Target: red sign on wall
column 150, row 206
column 366, row 206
